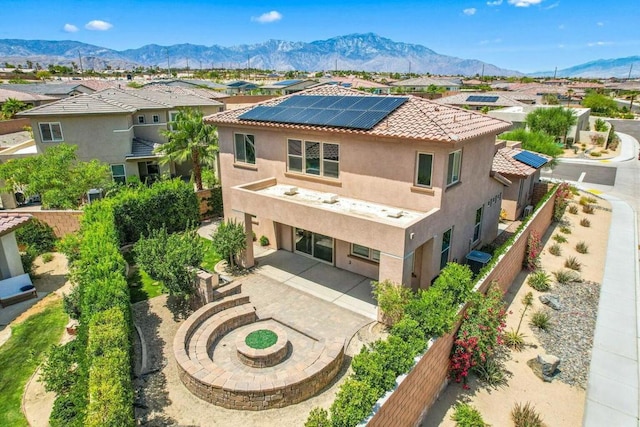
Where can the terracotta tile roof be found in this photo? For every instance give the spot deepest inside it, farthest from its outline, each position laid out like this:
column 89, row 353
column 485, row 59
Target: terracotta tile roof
column 417, row 119
column 9, row 222
column 505, row 164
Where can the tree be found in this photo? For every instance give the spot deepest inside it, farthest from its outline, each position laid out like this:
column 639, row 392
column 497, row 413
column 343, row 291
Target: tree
column 554, row 121
column 538, row 142
column 631, row 95
column 600, row 104
column 569, row 94
column 229, row 240
column 43, row 75
column 11, row 107
column 56, row 175
column 550, row 99
column 190, row 139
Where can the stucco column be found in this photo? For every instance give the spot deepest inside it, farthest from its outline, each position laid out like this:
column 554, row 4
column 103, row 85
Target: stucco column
column 248, row 260
column 395, row 268
column 11, row 254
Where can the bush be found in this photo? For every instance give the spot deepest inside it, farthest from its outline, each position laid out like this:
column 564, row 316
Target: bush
column 37, row 235
column 573, row 263
column 555, row 249
column 514, row 340
column 229, row 240
column 434, row 312
column 588, row 209
column 47, row 257
column 532, row 255
column 565, row 276
column 563, row 194
column 353, row 403
column 573, row 209
column 27, row 258
column 264, row 241
column 585, row 222
column 540, row 281
column 541, row 320
column 379, row 364
column 595, row 153
column 466, row 415
column 582, row 247
column 565, row 229
column 392, row 299
column 526, row 416
column 455, row 282
column 69, row 245
column 318, row 417
column 559, row 238
column 59, row 370
column 409, row 331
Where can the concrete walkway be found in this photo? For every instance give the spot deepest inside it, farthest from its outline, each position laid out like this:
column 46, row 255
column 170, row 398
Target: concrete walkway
column 612, row 392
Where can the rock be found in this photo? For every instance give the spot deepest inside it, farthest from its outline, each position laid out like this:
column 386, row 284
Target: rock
column 544, row 366
column 551, row 300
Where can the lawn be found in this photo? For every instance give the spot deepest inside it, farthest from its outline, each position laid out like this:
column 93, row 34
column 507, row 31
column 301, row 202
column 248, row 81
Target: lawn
column 21, row 355
column 211, row 258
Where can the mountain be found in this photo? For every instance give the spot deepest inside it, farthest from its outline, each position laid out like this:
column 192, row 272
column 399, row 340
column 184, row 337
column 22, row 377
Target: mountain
column 368, row 52
column 600, row 68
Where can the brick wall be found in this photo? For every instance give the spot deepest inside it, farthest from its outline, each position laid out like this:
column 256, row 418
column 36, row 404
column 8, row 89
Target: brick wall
column 203, row 195
column 539, row 190
column 407, row 405
column 11, row 126
column 62, row 222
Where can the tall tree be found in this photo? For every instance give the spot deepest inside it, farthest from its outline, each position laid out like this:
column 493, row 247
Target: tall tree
column 190, row 139
column 555, row 121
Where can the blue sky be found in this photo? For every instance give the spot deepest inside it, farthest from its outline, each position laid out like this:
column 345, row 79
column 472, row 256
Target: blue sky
column 525, row 35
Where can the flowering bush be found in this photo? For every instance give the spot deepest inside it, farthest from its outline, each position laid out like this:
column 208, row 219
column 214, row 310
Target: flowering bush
column 563, row 194
column 532, row 255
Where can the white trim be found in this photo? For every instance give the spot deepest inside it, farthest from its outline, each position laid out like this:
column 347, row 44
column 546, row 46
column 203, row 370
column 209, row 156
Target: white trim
column 51, row 131
column 321, row 158
column 124, row 130
column 456, row 154
column 415, row 178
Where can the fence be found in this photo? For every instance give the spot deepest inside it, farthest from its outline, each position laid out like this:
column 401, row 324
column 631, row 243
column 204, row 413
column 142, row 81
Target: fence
column 417, row 392
column 62, row 222
column 14, row 125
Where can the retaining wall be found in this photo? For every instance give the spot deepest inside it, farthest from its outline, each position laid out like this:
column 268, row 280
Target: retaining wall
column 12, row 126
column 62, row 222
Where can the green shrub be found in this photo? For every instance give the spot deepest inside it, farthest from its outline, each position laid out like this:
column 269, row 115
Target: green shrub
column 466, row 415
column 37, row 235
column 59, row 370
column 264, row 241
column 229, row 240
column 434, row 312
column 573, row 209
column 585, row 222
column 525, row 416
column 565, row 276
column 573, row 263
column 595, row 153
column 582, row 248
column 455, row 282
column 565, row 229
column 379, row 364
column 584, row 200
column 47, row 257
column 514, row 340
column 540, row 281
column 555, row 249
column 353, row 403
column 409, row 331
column 318, row 417
column 559, row 238
column 69, row 245
column 541, row 320
column 28, row 257
column 214, row 202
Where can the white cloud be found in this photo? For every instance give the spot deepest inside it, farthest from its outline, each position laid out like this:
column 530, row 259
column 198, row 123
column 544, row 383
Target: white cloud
column 552, row 6
column 70, row 28
column 268, row 17
column 97, row 25
column 524, row 3
column 494, row 3
column 470, row 11
column 600, row 24
column 593, row 44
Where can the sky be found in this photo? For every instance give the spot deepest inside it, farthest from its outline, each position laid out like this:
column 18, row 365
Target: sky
column 522, row 35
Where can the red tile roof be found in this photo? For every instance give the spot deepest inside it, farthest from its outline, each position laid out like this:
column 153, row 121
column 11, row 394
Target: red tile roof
column 505, row 164
column 9, row 222
column 418, row 119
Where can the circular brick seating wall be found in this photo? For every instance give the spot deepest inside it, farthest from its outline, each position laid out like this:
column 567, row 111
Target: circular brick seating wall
column 248, row 389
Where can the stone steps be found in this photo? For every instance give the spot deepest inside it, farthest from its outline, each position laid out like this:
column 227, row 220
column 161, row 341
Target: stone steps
column 227, row 290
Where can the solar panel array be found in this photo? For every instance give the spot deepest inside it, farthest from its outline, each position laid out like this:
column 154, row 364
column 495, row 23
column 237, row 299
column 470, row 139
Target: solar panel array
column 482, row 98
column 353, row 112
column 531, row 159
column 286, row 82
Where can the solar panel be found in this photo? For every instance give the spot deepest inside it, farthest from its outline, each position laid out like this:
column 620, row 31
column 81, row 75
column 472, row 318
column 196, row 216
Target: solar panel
column 479, row 98
column 355, row 112
column 531, row 159
column 286, row 82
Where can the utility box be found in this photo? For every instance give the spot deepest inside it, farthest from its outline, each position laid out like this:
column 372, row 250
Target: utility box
column 94, row 194
column 477, row 260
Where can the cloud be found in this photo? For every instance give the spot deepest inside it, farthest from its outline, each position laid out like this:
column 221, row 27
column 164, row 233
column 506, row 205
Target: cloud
column 593, row 44
column 552, row 6
column 70, row 28
column 600, row 24
column 494, row 3
column 268, row 17
column 470, row 11
column 97, row 25
column 524, row 3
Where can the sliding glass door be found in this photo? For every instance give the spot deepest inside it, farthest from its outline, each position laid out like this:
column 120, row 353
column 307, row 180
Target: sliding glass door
column 315, row 245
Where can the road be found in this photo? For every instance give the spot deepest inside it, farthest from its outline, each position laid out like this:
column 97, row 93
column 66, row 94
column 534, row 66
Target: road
column 583, row 173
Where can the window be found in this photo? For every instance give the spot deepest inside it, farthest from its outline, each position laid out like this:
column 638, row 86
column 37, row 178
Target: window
column 173, row 115
column 365, row 252
column 50, row 132
column 118, row 174
column 245, row 148
column 478, row 225
column 156, row 118
column 423, row 169
column 141, row 120
column 446, row 247
column 453, row 170
column 313, row 158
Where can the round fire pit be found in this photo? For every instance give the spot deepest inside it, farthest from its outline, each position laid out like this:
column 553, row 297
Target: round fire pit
column 261, row 348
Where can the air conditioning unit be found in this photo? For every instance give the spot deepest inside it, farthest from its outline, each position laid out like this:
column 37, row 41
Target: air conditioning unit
column 528, row 210
column 94, row 194
column 291, row 191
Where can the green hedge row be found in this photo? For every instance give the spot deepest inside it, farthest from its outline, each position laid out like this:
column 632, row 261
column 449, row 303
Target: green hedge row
column 428, row 314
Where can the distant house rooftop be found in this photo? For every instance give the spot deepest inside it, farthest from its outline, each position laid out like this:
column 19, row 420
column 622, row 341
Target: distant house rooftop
column 490, row 99
column 52, row 89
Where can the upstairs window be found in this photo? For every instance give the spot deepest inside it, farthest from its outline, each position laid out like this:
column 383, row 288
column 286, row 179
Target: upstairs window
column 478, row 225
column 313, row 158
column 423, row 169
column 118, row 173
column 50, row 132
column 453, row 169
column 156, row 118
column 245, row 148
column 141, row 120
column 445, row 248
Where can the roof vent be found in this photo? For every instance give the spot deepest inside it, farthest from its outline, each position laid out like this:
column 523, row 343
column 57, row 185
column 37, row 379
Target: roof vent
column 394, row 214
column 329, row 198
column 291, row 191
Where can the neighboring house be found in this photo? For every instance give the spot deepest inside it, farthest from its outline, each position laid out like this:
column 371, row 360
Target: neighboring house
column 421, row 84
column 360, row 84
column 121, row 128
column 522, row 170
column 240, row 87
column 10, row 262
column 31, row 99
column 518, row 116
column 188, row 84
column 287, row 87
column 479, row 100
column 383, row 186
column 55, row 90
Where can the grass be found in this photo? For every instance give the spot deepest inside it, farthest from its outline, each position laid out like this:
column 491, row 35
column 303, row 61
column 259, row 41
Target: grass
column 573, row 263
column 525, row 416
column 21, row 355
column 541, row 320
column 262, row 338
column 143, row 287
column 211, row 258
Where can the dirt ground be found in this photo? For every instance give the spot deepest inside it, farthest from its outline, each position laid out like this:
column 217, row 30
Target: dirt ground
column 558, row 403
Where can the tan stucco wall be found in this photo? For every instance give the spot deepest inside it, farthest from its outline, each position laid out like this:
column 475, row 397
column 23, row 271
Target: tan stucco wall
column 11, row 264
column 376, row 170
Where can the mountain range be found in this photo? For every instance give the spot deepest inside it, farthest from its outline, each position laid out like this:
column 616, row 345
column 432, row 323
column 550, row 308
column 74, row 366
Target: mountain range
column 368, row 52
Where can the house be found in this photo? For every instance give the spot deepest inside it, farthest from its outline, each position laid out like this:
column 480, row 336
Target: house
column 421, row 84
column 480, row 100
column 522, row 170
column 121, row 128
column 55, row 90
column 358, row 83
column 31, row 99
column 239, row 87
column 389, row 187
column 188, row 84
column 287, row 87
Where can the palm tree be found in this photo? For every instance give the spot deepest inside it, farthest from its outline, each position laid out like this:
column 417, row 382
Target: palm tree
column 11, row 107
column 569, row 93
column 632, row 96
column 190, row 139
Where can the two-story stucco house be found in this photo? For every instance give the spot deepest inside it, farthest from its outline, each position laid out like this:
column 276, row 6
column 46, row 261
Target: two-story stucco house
column 386, row 187
column 118, row 127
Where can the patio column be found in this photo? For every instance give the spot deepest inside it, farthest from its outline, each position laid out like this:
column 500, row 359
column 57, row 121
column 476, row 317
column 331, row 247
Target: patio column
column 395, row 268
column 248, row 260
